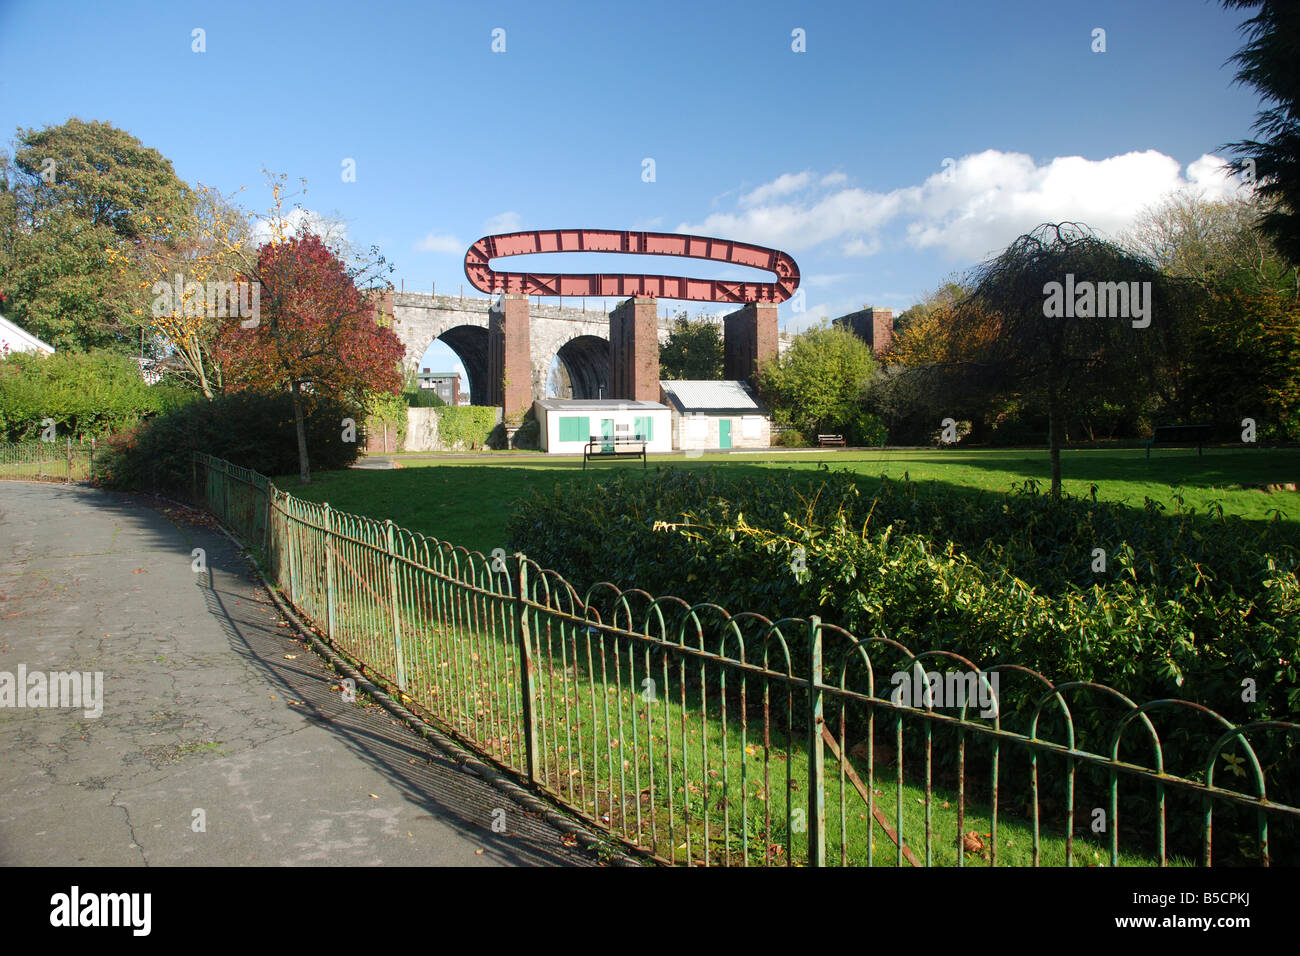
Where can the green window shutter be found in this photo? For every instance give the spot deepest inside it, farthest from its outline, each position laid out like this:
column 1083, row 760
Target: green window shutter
column 645, row 427
column 575, row 428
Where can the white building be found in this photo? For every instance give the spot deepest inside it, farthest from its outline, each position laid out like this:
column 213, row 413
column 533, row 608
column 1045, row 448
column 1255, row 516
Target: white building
column 721, row 415
column 568, row 424
column 14, row 339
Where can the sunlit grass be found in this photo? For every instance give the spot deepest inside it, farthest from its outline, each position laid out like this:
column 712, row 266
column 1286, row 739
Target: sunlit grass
column 468, row 501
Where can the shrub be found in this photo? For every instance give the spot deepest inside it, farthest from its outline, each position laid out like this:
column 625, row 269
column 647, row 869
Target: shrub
column 465, row 426
column 87, row 394
column 385, row 409
column 417, row 397
column 252, row 429
column 1190, row 605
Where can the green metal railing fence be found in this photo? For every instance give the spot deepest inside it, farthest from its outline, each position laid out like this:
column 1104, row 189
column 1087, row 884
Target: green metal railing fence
column 60, row 460
column 709, row 738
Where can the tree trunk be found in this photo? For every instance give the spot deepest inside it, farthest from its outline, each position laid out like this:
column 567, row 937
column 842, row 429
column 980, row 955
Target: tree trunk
column 304, row 469
column 1054, row 442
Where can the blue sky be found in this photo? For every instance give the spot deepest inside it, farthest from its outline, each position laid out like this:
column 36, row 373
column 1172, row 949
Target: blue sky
column 835, row 154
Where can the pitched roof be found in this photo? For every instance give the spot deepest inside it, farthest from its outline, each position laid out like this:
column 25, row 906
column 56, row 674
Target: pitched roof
column 712, row 398
column 596, row 404
column 26, row 342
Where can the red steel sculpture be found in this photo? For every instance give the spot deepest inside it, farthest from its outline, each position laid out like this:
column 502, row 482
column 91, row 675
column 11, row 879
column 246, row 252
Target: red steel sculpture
column 484, row 279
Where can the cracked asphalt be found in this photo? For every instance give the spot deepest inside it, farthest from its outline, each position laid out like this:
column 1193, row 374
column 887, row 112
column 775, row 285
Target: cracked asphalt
column 211, row 705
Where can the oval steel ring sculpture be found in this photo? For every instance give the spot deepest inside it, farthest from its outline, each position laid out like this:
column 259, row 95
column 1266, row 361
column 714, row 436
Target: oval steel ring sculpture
column 538, row 241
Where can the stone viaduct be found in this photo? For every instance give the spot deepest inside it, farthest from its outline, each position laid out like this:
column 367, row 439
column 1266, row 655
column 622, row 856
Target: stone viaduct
column 507, row 344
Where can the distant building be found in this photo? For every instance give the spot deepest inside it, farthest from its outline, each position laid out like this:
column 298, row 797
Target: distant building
column 150, row 371
column 446, row 385
column 568, row 424
column 15, row 339
column 720, row 415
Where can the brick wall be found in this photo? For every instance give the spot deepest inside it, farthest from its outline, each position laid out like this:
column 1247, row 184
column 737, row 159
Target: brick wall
column 634, row 350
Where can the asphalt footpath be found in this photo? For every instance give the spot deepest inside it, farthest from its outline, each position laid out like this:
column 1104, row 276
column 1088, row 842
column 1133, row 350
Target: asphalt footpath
column 223, row 740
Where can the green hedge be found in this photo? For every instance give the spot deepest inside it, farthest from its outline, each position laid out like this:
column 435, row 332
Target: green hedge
column 87, row 394
column 248, row 428
column 1189, row 606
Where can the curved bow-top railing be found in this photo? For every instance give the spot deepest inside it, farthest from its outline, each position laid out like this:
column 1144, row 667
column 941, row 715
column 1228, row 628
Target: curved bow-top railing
column 706, row 737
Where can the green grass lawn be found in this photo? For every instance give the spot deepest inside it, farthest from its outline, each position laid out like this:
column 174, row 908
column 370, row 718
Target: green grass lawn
column 467, row 500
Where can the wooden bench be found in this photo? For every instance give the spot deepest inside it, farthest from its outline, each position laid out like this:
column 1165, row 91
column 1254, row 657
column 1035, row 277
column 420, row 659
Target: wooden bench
column 824, row 440
column 1179, row 435
column 614, row 448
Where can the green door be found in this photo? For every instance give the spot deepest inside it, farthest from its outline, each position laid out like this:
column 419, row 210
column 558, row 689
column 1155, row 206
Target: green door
column 607, row 434
column 724, row 433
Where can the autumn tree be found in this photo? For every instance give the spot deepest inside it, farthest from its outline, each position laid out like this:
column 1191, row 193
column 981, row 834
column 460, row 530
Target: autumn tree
column 316, row 334
column 942, row 298
column 185, row 283
column 933, row 370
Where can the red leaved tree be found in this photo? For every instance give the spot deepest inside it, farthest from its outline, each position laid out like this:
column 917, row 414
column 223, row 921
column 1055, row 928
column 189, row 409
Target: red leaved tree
column 316, row 333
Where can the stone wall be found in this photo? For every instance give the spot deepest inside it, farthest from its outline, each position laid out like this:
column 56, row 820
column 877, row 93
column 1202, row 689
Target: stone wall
column 422, row 430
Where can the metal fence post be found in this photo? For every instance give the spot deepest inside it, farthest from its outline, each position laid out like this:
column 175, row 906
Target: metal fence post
column 397, row 620
column 69, row 459
column 194, row 473
column 290, row 540
column 816, row 753
column 527, row 672
column 329, row 570
column 269, row 494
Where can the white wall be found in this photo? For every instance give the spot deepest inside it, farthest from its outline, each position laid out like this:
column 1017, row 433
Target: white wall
column 692, row 432
column 549, row 420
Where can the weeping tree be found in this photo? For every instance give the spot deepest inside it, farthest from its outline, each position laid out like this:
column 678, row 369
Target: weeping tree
column 1062, row 317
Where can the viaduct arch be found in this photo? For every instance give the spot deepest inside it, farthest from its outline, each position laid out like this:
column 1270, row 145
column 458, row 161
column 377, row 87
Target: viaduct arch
column 579, row 338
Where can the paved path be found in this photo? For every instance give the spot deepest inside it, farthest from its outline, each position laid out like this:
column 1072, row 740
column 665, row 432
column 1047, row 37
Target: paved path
column 208, row 703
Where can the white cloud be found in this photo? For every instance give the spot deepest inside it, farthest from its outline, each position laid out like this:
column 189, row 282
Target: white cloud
column 299, row 221
column 433, row 242
column 1211, row 177
column 505, row 222
column 967, row 211
column 993, row 197
column 862, row 247
column 801, row 225
column 825, row 279
column 783, row 185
